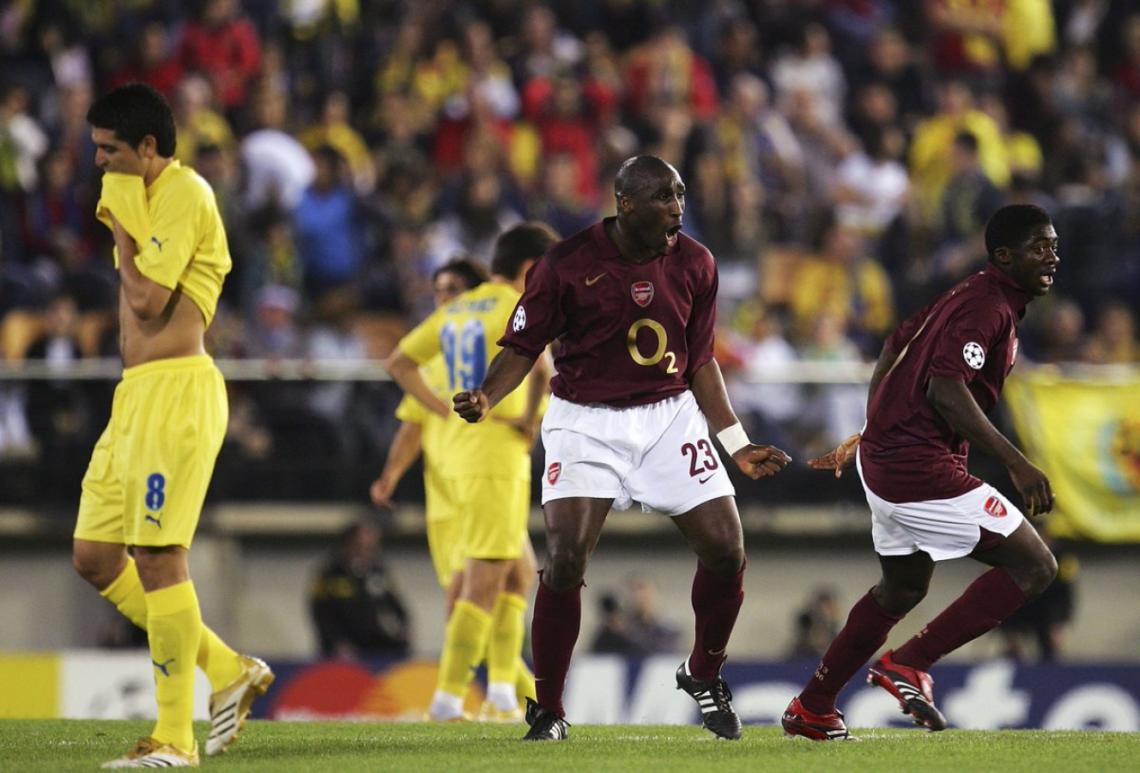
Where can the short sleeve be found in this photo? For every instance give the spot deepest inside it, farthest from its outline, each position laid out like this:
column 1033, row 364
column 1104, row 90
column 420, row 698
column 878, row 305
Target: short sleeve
column 965, row 340
column 422, row 343
column 700, row 330
column 175, row 231
column 538, row 317
column 410, row 410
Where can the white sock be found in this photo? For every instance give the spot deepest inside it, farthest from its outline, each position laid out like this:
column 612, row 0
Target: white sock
column 502, row 695
column 445, row 706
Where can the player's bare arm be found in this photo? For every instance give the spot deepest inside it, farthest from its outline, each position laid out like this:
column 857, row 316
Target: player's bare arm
column 957, row 406
column 154, row 322
column 406, row 446
column 145, row 298
column 843, row 455
column 406, row 373
column 504, row 374
column 755, row 461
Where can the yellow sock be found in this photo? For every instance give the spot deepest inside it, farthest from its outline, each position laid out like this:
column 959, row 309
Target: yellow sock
column 524, row 683
column 507, row 633
column 174, row 628
column 221, row 664
column 463, row 646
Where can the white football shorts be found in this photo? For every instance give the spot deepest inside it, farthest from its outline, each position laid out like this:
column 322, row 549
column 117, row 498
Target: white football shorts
column 659, row 455
column 943, row 528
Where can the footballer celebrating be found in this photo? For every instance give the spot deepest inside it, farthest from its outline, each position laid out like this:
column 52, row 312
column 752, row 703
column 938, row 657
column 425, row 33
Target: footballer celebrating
column 631, row 302
column 938, row 375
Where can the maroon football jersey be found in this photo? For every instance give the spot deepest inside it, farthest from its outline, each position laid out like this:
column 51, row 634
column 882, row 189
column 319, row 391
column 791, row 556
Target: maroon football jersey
column 628, row 333
column 908, row 451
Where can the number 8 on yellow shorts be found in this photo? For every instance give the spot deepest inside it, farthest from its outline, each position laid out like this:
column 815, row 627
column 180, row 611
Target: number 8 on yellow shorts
column 148, row 475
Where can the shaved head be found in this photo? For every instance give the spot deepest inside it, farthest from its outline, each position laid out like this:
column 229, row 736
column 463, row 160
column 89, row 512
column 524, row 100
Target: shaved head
column 641, row 172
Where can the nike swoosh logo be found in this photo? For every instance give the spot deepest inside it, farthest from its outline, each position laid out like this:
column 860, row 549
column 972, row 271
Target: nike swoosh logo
column 716, row 653
column 705, row 480
column 590, row 280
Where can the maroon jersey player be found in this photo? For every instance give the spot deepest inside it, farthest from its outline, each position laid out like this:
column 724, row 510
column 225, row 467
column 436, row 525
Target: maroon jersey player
column 937, row 376
column 631, row 303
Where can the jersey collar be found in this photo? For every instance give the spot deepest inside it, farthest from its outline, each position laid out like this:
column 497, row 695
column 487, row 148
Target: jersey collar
column 1014, row 294
column 164, row 175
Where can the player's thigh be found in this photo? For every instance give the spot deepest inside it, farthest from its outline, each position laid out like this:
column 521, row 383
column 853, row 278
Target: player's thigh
column 713, row 531
column 445, row 544
column 444, row 527
column 101, row 499
column 682, row 469
column 495, row 514
column 952, row 528
column 581, row 465
column 1023, row 550
column 178, row 417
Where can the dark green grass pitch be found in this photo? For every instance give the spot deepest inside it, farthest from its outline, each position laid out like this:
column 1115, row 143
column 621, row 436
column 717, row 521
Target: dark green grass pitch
column 341, row 747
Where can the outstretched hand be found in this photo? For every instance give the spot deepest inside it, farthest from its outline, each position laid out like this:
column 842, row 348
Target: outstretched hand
column 840, row 458
column 472, row 405
column 760, row 461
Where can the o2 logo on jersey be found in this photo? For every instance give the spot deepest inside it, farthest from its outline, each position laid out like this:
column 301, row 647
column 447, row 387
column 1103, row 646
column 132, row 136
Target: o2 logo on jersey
column 994, row 507
column 659, row 353
column 642, row 293
column 155, row 491
column 974, row 355
column 465, row 353
column 518, row 322
column 553, row 472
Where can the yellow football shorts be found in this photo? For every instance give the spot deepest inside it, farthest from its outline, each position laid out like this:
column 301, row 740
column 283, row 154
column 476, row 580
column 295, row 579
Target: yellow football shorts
column 494, row 516
column 444, row 527
column 150, row 469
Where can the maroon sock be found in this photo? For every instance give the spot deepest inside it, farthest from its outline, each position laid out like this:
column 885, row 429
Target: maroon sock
column 716, row 602
column 865, row 631
column 990, row 599
column 553, row 632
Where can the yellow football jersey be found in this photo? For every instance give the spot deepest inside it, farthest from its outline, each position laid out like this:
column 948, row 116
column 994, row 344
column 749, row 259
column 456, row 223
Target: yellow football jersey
column 176, row 224
column 465, row 332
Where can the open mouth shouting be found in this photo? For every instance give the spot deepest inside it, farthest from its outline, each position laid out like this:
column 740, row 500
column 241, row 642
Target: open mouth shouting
column 671, row 236
column 1046, row 278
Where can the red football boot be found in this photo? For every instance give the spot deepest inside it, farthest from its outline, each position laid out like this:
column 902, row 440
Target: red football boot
column 913, row 689
column 818, row 727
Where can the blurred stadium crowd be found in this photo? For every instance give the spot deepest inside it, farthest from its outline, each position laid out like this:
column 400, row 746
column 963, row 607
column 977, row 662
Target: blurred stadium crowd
column 841, row 156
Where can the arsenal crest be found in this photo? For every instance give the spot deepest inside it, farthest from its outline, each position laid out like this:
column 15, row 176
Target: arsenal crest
column 642, row 293
column 552, row 472
column 994, row 507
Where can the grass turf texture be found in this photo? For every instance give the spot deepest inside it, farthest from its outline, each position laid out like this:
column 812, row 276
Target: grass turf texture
column 340, row 747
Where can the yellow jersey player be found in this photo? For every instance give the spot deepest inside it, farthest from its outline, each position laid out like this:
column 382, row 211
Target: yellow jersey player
column 488, row 473
column 422, row 430
column 150, row 469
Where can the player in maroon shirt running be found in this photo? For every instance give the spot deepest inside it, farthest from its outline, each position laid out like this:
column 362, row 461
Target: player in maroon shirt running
column 938, row 375
column 632, row 304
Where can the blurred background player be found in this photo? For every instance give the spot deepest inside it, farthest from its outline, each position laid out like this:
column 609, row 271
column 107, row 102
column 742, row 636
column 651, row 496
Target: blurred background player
column 149, row 472
column 487, row 471
column 625, row 425
column 938, row 375
column 422, row 430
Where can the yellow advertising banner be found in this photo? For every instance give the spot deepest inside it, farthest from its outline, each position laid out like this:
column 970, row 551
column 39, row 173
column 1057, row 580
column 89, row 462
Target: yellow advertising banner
column 1085, row 434
column 29, row 685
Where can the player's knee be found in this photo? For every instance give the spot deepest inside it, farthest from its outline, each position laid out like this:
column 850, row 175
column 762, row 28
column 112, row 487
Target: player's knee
column 565, row 569
column 94, row 566
column 1037, row 577
column 898, row 599
column 726, row 564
